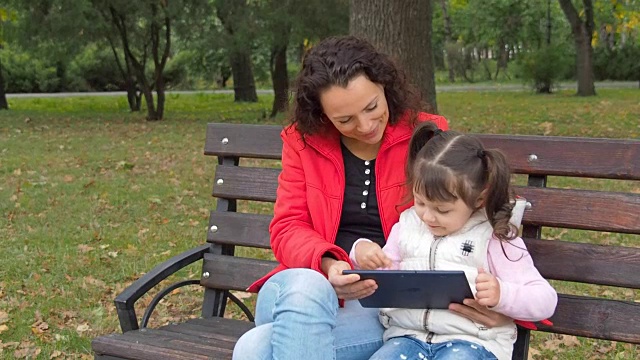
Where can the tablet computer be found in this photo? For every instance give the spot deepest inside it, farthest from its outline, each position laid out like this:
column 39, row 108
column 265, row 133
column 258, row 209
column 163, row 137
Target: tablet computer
column 415, row 289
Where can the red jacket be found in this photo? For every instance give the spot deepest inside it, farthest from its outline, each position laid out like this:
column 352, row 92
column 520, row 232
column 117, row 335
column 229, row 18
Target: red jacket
column 311, row 192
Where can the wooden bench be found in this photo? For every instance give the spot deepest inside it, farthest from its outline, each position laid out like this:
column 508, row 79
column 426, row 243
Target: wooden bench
column 242, row 185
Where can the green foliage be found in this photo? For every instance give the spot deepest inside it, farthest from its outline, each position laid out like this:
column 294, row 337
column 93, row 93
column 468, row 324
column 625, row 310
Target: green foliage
column 24, row 73
column 94, row 69
column 544, row 67
column 620, row 63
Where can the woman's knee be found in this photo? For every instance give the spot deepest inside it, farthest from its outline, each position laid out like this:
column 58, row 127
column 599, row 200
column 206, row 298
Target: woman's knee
column 306, row 283
column 254, row 344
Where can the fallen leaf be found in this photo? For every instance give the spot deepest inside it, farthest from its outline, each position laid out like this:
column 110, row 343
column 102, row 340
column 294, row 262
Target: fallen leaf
column 546, row 127
column 68, row 178
column 3, row 328
column 39, row 327
column 570, row 341
column 83, row 248
column 4, row 317
column 241, row 294
column 93, row 281
column 82, row 328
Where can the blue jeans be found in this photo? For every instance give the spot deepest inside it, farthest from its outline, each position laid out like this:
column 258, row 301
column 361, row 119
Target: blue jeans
column 297, row 317
column 409, row 348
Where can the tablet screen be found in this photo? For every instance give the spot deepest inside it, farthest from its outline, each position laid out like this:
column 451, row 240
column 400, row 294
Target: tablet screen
column 419, row 289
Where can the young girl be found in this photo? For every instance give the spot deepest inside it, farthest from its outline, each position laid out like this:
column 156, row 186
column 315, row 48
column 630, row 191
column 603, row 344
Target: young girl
column 461, row 220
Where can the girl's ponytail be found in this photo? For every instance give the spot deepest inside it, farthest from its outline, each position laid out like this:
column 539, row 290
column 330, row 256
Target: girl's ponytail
column 424, row 132
column 498, row 196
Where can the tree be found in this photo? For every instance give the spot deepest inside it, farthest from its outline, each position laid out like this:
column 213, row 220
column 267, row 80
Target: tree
column 401, row 28
column 448, row 39
column 4, row 16
column 278, row 25
column 582, row 31
column 151, row 23
column 236, row 18
column 292, row 22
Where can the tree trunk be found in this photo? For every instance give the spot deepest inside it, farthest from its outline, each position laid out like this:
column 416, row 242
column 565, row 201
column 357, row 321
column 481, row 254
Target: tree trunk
column 233, row 15
column 582, row 35
column 133, row 97
column 280, row 79
column 448, row 40
column 402, row 30
column 3, row 96
column 147, row 92
column 244, row 87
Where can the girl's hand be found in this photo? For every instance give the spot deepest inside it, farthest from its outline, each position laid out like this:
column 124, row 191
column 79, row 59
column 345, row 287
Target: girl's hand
column 487, row 289
column 370, row 256
column 480, row 313
column 347, row 287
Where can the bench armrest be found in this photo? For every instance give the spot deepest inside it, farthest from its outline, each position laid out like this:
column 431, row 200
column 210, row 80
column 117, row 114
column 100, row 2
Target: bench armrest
column 126, row 300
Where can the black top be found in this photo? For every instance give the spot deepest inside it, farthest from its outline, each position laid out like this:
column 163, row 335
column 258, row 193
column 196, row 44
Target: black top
column 360, row 217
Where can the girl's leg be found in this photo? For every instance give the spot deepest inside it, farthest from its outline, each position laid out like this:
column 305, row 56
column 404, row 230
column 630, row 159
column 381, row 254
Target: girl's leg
column 403, row 348
column 355, row 335
column 461, row 350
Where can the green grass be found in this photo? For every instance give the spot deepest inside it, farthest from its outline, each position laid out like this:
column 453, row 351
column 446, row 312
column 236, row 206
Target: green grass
column 92, row 196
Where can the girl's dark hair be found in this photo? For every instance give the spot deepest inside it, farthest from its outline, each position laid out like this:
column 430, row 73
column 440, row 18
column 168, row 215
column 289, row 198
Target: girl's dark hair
column 336, row 61
column 448, row 165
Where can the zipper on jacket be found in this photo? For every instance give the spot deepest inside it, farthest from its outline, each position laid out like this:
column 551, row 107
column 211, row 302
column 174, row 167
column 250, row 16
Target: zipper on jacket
column 425, row 325
column 432, row 251
column 432, row 266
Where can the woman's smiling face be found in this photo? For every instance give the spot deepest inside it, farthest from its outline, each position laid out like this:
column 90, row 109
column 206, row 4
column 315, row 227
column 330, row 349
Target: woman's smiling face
column 359, row 111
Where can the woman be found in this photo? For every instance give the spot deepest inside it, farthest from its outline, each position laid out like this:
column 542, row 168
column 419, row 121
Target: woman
column 342, row 179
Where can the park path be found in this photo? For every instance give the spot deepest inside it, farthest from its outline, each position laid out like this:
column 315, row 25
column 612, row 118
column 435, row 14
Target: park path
column 439, row 88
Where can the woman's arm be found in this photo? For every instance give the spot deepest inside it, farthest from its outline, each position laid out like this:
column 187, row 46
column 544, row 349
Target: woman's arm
column 524, row 293
column 294, row 241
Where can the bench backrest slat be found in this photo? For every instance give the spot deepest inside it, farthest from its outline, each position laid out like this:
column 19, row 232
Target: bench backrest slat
column 232, row 228
column 590, row 263
column 550, row 207
column 568, row 156
column 265, row 141
column 233, row 272
column 565, row 208
column 560, row 156
column 246, row 183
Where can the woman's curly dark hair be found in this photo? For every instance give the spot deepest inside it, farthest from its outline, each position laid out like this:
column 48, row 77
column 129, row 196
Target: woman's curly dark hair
column 336, row 61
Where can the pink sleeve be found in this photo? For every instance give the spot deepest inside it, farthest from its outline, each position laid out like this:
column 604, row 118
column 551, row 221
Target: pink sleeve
column 524, row 293
column 392, row 247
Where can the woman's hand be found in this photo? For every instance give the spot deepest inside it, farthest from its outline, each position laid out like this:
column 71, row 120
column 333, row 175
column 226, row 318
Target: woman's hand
column 347, row 287
column 370, row 256
column 472, row 310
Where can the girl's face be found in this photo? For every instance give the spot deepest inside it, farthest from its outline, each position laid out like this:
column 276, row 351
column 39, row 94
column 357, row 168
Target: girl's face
column 442, row 218
column 359, row 111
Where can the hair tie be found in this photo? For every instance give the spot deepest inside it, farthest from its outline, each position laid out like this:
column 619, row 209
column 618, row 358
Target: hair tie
column 436, row 132
column 481, row 153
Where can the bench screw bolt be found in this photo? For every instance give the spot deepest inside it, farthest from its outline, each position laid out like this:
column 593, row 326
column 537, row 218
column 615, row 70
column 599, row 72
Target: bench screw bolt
column 205, row 274
column 213, row 228
column 225, row 141
column 220, row 182
column 533, row 157
column 527, row 205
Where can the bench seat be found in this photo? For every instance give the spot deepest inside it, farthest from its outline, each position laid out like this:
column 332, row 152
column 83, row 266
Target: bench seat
column 211, row 338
